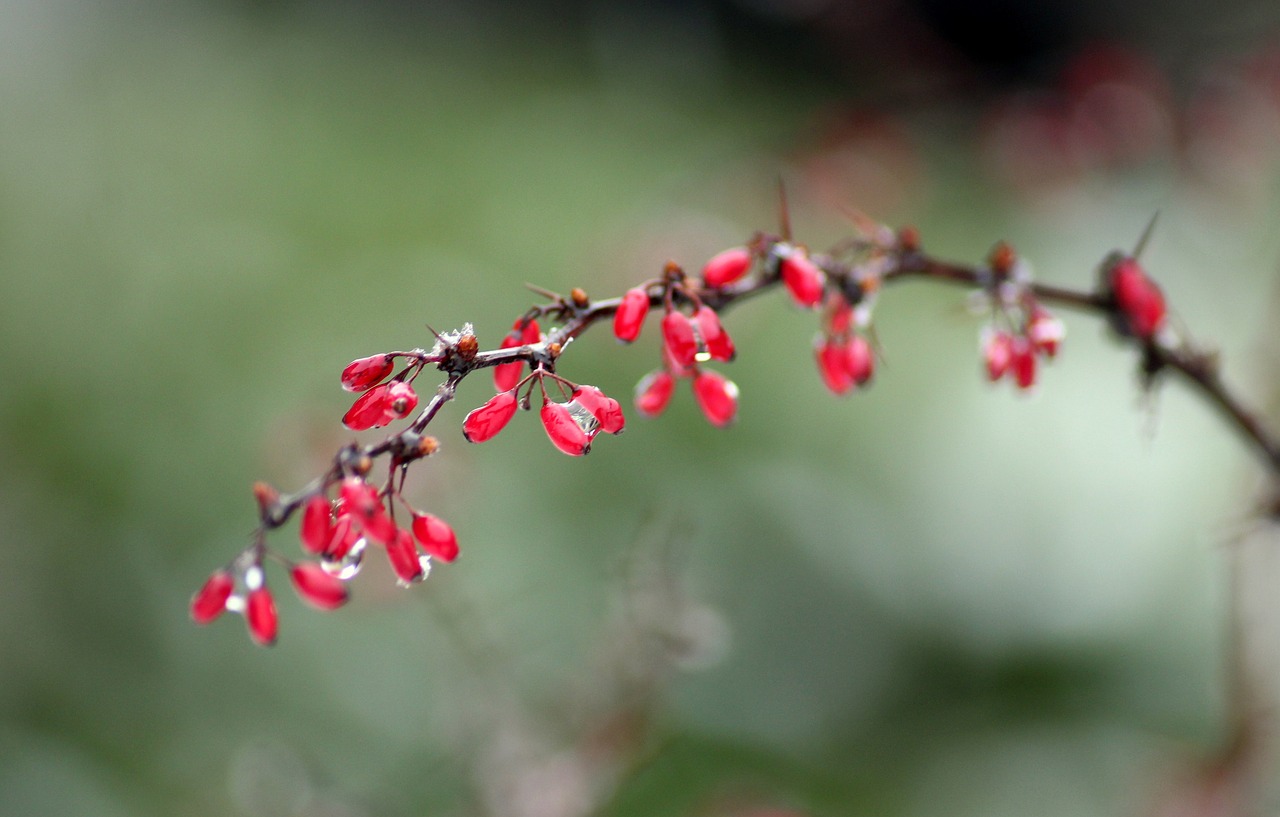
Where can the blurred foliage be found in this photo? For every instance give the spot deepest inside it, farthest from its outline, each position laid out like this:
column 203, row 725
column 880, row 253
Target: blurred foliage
column 930, row 598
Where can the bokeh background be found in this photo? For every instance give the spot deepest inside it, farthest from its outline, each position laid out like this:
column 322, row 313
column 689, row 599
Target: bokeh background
column 935, row 597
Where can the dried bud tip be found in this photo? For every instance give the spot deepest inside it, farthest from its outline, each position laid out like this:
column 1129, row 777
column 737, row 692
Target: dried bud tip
column 579, row 297
column 1002, row 258
column 266, row 495
column 673, row 271
column 554, row 350
column 908, row 238
column 427, row 446
column 467, row 347
column 362, row 465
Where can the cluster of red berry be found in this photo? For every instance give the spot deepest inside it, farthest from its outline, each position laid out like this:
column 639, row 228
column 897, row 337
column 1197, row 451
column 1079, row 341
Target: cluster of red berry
column 342, row 512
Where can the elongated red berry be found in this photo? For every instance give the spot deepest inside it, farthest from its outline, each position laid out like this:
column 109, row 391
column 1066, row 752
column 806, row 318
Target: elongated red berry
column 367, row 372
column 726, row 267
column 318, row 588
column 436, row 537
column 719, row 344
column 679, row 338
column 361, row 502
column 211, row 600
column 507, row 375
column 316, row 530
column 1138, row 298
column 370, row 410
column 833, row 365
column 1022, row 362
column 653, row 392
column 346, row 532
column 629, row 319
column 485, row 422
column 403, row 555
column 567, row 429
column 716, row 396
column 803, row 279
column 260, row 615
column 997, row 352
column 606, row 410
column 401, row 399
column 860, row 359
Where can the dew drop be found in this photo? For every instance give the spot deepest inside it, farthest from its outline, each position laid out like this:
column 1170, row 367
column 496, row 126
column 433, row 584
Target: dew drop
column 424, row 561
column 235, row 603
column 349, row 565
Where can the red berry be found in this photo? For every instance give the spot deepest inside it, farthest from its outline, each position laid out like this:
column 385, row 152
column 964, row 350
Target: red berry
column 1045, row 331
column 507, row 375
column 361, row 502
column 1138, row 298
column 726, row 267
column 604, row 408
column 318, row 588
column 653, row 392
column 629, row 319
column 403, row 555
column 370, row 410
column 833, row 365
column 317, row 524
column 211, row 600
column 997, row 352
column 1022, row 362
column 485, row 422
column 681, row 342
column 860, row 359
column 803, row 279
column 568, row 429
column 717, row 397
column 346, row 532
column 841, row 320
column 401, row 399
column 719, row 344
column 437, row 538
column 367, row 372
column 260, row 614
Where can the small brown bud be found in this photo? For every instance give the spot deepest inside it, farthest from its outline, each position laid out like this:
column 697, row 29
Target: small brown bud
column 266, row 495
column 554, row 350
column 428, row 446
column 467, row 347
column 908, row 238
column 1002, row 258
column 673, row 271
column 579, row 297
column 363, row 465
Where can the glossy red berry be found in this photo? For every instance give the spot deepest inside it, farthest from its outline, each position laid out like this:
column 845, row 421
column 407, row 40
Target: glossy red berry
column 726, row 267
column 401, row 399
column 367, row 372
column 997, row 352
column 861, row 359
column 316, row 530
column 678, row 336
column 569, row 430
column 803, row 279
column 1138, row 298
column 507, row 375
column 346, row 532
column 629, row 319
column 403, row 555
column 653, row 392
column 716, row 396
column 436, row 536
column 318, row 588
column 210, row 601
column 717, row 341
column 260, row 615
column 361, row 502
column 833, row 365
column 485, row 422
column 604, row 408
column 1022, row 362
column 370, row 410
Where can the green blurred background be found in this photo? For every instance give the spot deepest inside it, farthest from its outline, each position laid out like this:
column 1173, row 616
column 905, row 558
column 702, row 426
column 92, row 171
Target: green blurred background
column 931, row 598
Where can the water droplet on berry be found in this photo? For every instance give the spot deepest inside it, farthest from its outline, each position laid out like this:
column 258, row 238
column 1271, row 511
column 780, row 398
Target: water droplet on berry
column 349, row 564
